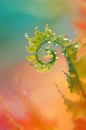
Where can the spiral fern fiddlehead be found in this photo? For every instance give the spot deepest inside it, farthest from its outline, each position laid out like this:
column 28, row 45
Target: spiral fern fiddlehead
column 43, row 55
column 41, row 49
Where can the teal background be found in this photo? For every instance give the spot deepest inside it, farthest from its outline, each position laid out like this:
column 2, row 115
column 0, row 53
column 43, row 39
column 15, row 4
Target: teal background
column 19, row 17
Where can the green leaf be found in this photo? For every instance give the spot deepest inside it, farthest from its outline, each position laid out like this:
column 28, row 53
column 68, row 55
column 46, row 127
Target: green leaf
column 72, row 83
column 73, row 76
column 30, row 57
column 31, row 49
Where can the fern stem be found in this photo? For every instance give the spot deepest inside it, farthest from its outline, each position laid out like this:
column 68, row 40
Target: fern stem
column 75, row 73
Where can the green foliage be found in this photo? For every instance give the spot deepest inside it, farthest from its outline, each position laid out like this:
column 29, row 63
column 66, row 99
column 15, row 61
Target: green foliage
column 41, row 53
column 44, row 43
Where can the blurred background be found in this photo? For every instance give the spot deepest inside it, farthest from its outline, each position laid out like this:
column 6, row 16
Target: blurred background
column 17, row 78
column 20, row 17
